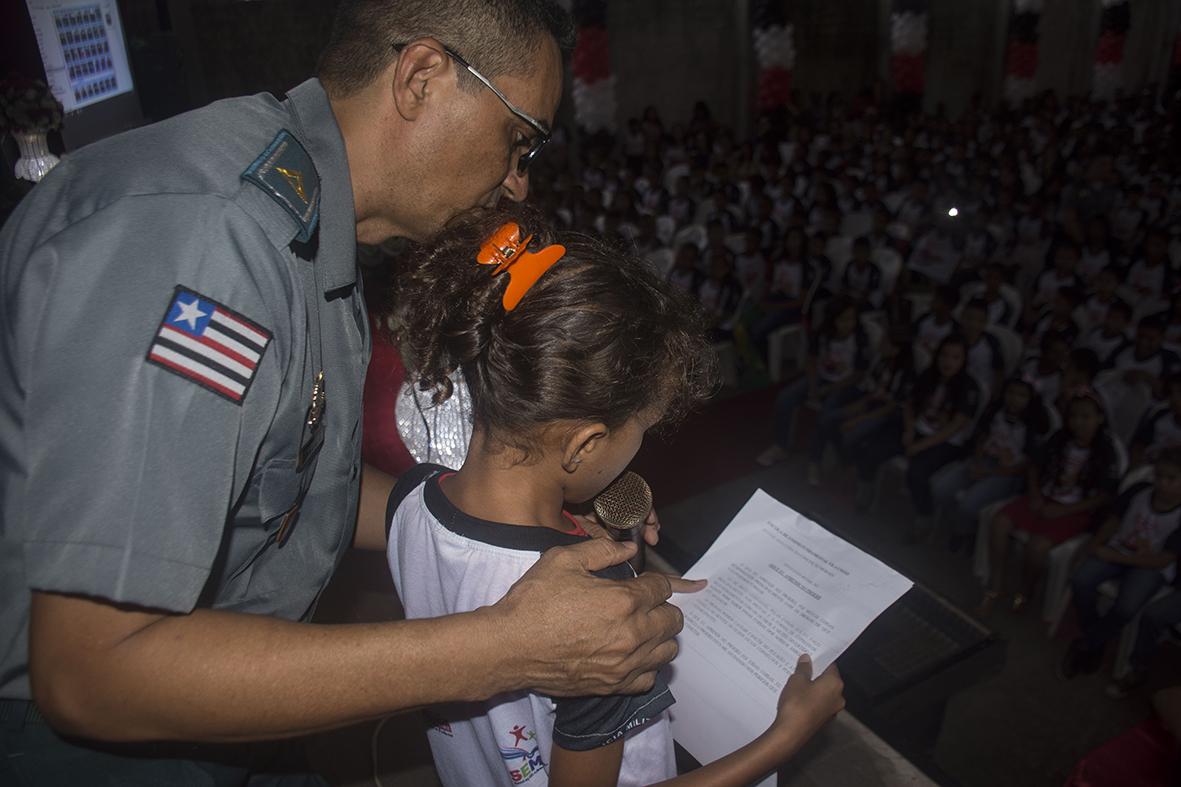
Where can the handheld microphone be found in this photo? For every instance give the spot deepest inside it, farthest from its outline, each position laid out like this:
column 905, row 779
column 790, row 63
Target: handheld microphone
column 622, row 508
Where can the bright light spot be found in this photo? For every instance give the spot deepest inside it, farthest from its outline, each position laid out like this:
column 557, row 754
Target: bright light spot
column 953, row 212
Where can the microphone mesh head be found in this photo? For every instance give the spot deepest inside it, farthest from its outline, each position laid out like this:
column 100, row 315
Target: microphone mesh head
column 624, row 504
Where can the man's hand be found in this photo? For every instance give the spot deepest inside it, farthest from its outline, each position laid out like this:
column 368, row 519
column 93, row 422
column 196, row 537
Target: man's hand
column 589, row 635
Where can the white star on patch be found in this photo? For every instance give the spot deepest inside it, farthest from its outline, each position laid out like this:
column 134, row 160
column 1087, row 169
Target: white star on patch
column 190, row 313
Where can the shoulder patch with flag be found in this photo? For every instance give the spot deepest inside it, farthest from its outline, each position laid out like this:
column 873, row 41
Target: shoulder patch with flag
column 210, row 344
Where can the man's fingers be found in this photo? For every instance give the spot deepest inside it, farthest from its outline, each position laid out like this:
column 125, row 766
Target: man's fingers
column 804, row 667
column 682, row 585
column 655, row 589
column 652, row 528
column 597, row 554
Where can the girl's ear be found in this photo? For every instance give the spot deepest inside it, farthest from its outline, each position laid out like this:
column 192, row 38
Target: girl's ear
column 581, row 444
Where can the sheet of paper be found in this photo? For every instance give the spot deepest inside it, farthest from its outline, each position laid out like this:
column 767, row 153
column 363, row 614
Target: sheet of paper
column 780, row 585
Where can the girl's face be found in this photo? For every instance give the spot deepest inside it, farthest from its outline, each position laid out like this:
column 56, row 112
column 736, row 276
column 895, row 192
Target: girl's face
column 1085, row 419
column 1017, row 397
column 951, row 360
column 846, row 322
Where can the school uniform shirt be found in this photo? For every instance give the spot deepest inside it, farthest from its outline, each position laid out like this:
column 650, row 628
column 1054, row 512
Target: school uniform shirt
column 837, row 359
column 985, row 359
column 719, row 297
column 1003, row 435
column 1046, row 385
column 685, row 279
column 445, row 561
column 1127, row 221
column 863, row 283
column 928, row 333
column 1047, row 323
column 935, row 257
column 1141, row 521
column 999, row 311
column 1095, row 309
column 980, row 245
column 888, row 382
column 787, row 279
column 1158, row 429
column 1104, row 346
column 1091, row 262
column 752, row 274
column 1152, row 279
column 938, row 408
column 1067, row 487
column 1158, row 365
column 1048, row 283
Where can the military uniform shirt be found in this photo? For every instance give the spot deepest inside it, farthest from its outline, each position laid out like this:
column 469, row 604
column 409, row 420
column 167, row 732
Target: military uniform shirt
column 128, row 479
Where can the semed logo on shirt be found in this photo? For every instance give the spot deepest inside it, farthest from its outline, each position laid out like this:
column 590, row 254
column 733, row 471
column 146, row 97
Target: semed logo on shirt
column 523, row 756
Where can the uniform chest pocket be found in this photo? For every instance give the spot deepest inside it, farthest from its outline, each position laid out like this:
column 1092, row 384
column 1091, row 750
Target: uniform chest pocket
column 282, row 488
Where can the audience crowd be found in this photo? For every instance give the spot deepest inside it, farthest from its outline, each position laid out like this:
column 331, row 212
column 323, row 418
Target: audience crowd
column 989, row 305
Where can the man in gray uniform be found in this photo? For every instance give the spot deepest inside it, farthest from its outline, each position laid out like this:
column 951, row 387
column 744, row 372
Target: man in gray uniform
column 184, row 342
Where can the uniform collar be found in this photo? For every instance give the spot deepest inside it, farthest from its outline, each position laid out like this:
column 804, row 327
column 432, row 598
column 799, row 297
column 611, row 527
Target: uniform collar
column 317, row 130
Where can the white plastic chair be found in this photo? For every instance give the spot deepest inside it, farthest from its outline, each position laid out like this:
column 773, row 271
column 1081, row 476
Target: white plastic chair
column 1126, row 404
column 661, row 261
column 1011, row 346
column 889, row 262
column 875, row 330
column 694, row 233
column 782, row 343
column 839, row 251
column 666, row 228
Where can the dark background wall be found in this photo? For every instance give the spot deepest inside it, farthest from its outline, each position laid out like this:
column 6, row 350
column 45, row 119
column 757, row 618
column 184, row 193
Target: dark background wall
column 667, row 53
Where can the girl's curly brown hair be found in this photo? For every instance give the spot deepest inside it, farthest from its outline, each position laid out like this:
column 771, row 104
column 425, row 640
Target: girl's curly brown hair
column 598, row 338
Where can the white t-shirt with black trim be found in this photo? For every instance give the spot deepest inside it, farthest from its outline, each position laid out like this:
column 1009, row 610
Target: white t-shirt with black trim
column 445, row 561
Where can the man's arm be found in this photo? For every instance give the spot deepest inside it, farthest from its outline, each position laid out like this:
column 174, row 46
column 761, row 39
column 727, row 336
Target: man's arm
column 125, row 674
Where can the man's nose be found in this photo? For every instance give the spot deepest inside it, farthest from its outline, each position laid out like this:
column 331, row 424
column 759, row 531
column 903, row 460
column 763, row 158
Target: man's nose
column 516, row 185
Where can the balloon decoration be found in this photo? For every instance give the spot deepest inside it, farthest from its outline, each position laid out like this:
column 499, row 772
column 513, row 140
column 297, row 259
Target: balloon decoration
column 1109, row 52
column 775, row 53
column 594, row 86
column 908, row 46
column 1021, row 53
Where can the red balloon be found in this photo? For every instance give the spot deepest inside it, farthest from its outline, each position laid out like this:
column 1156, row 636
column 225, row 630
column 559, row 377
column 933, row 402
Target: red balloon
column 591, row 61
column 1110, row 48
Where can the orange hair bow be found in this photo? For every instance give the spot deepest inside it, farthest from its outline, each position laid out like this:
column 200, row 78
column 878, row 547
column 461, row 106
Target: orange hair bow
column 507, row 252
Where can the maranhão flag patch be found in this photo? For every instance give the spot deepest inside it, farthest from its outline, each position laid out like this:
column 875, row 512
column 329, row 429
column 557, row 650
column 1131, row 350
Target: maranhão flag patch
column 210, row 344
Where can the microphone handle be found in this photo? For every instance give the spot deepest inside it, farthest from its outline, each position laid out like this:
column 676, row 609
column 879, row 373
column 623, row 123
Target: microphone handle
column 636, row 536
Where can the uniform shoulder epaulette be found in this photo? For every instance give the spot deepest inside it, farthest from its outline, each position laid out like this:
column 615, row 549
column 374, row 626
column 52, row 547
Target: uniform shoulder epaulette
column 286, row 173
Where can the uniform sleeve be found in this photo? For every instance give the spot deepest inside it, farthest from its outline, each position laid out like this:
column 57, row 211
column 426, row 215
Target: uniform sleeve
column 132, row 468
column 584, row 723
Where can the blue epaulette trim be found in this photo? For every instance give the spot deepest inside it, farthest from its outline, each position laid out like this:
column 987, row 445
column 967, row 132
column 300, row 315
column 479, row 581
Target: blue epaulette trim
column 286, row 173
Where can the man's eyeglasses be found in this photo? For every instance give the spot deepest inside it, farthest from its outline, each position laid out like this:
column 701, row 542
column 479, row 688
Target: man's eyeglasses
column 543, row 134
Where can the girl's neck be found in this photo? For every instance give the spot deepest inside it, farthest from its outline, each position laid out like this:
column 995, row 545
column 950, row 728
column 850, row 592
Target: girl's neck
column 490, row 486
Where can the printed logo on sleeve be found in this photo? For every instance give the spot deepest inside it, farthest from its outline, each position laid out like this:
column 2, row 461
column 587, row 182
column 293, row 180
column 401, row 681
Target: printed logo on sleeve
column 210, row 344
column 523, row 756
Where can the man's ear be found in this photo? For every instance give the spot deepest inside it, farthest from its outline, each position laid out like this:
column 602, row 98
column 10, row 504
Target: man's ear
column 416, row 75
column 580, row 444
